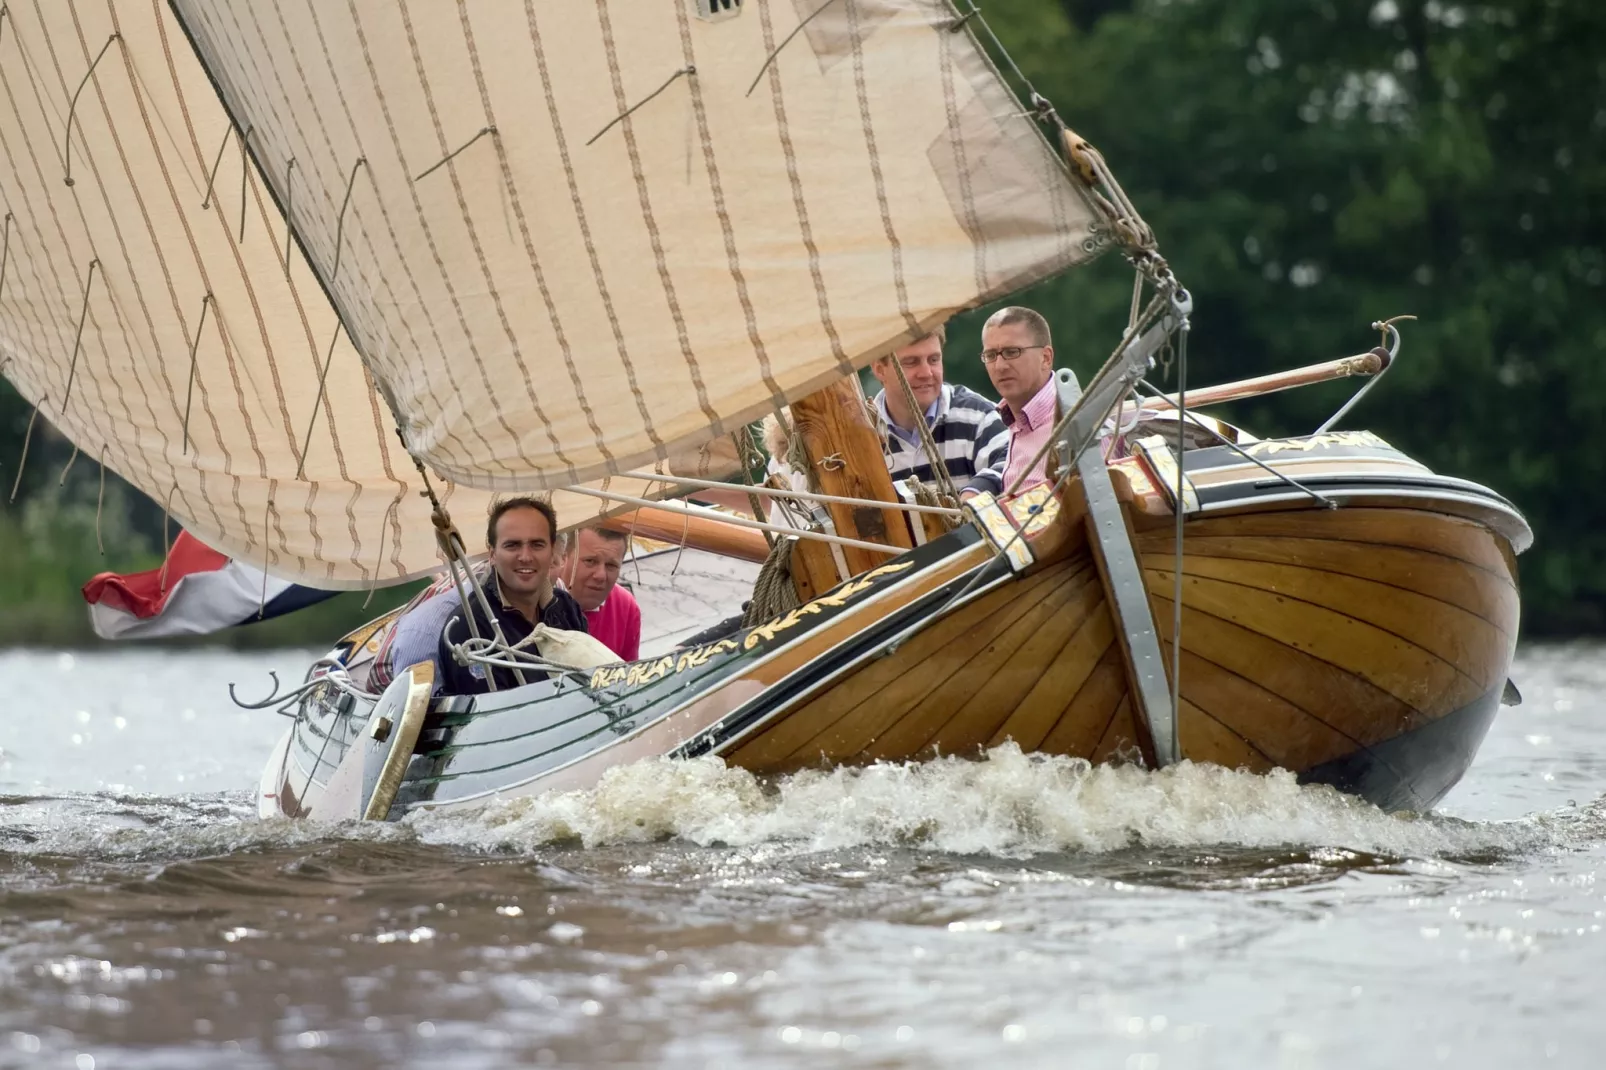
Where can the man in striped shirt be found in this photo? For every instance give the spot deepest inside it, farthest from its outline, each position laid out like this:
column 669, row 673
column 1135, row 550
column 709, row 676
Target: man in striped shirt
column 965, row 427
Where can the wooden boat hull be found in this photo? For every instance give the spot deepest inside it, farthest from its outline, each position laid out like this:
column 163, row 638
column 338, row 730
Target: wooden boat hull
column 1366, row 649
column 1365, row 646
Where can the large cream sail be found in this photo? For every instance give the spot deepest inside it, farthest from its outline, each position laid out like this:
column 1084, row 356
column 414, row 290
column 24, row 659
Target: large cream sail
column 570, row 238
column 550, row 241
column 151, row 316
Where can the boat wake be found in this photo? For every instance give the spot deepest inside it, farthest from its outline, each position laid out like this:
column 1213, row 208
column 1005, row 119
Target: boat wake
column 1007, row 804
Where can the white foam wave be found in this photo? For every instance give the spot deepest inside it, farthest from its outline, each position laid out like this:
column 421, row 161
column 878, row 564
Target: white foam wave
column 1008, row 803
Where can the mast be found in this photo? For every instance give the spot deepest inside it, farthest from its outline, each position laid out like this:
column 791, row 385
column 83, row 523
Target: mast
column 845, row 454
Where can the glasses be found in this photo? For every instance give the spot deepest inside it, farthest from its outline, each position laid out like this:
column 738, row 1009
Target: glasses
column 1005, row 353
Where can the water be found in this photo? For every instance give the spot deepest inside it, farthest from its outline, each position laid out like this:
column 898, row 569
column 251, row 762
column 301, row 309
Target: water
column 1007, row 912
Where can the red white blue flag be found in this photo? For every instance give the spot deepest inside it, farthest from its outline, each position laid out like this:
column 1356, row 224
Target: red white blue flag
column 197, row 591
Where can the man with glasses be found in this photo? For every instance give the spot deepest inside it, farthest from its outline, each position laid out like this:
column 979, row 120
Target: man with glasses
column 965, row 427
column 1018, row 353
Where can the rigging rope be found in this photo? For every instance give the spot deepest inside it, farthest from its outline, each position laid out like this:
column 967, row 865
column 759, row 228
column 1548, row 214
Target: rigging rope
column 774, row 592
column 939, row 468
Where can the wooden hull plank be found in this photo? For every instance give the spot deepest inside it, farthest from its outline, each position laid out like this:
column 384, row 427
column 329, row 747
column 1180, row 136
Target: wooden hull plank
column 887, row 686
column 1345, row 702
column 1476, row 648
column 1492, row 598
column 1121, row 741
column 979, row 673
column 1018, row 678
column 1277, row 730
column 1452, row 536
column 1043, row 706
column 1417, row 677
column 1415, row 769
column 1088, row 715
column 1206, row 739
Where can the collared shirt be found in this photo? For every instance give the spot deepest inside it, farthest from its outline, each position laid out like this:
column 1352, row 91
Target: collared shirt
column 965, row 428
column 908, row 434
column 1029, row 429
column 562, row 612
column 617, row 623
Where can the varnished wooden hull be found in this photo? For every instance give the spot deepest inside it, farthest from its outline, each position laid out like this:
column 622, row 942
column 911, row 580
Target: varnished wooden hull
column 1361, row 647
column 1364, row 646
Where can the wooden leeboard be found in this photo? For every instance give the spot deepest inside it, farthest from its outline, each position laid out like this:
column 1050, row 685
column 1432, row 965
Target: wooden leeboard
column 404, row 736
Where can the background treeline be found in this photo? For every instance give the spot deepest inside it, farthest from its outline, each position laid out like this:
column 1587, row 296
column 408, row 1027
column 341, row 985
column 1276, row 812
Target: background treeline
column 1309, row 166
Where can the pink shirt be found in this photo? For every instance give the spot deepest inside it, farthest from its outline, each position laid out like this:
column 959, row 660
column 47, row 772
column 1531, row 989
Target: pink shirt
column 1028, row 431
column 617, row 624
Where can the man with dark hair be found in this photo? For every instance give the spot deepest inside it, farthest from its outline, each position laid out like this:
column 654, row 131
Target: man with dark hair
column 590, row 572
column 965, row 427
column 520, row 539
column 1018, row 353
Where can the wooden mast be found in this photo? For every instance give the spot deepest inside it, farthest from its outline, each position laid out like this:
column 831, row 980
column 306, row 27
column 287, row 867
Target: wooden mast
column 846, row 454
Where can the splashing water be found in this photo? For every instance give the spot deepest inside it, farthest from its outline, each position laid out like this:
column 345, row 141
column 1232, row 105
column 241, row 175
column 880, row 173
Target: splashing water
column 1009, row 804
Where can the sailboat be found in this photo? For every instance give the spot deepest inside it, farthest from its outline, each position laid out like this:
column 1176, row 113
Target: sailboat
column 320, row 279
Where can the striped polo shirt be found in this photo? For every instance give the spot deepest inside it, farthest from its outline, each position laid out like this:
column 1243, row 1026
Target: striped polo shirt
column 965, row 427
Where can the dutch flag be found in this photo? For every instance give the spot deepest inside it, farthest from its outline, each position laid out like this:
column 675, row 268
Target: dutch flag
column 196, row 592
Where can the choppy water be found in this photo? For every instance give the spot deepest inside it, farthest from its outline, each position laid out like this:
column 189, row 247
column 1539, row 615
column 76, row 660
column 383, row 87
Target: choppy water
column 1008, row 912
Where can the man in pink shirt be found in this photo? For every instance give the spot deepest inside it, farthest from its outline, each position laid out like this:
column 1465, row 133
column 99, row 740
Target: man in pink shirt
column 1019, row 356
column 590, row 572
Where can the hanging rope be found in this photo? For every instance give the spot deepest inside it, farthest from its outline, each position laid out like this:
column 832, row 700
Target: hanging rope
column 453, row 154
column 379, row 558
column 167, row 548
column 27, row 437
column 100, row 502
column 748, row 454
column 929, row 498
column 685, row 71
column 267, row 551
column 317, row 402
column 5, row 254
column 289, row 203
column 72, row 109
column 62, row 482
column 189, row 394
column 784, row 42
column 245, row 172
column 340, row 224
column 206, row 202
column 83, row 314
column 939, row 467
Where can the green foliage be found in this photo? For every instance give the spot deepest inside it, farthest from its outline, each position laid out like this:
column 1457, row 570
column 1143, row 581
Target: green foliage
column 1311, row 166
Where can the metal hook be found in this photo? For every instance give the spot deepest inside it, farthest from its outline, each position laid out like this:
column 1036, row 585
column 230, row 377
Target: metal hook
column 1390, row 348
column 274, row 698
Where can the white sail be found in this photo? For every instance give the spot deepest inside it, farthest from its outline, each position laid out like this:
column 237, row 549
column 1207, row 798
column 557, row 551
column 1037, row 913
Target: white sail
column 146, row 130
column 549, row 288
column 541, row 288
